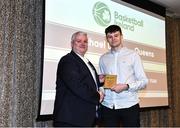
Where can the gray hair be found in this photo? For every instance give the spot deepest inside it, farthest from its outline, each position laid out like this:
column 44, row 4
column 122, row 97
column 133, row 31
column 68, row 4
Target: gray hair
column 77, row 33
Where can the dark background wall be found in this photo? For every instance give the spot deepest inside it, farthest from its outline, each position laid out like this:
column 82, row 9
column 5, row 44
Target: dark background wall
column 21, row 37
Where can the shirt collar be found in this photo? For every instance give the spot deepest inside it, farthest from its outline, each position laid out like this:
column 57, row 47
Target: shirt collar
column 118, row 50
column 83, row 58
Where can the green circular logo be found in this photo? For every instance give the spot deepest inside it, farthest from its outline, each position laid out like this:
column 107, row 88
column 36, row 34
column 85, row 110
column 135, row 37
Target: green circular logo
column 102, row 14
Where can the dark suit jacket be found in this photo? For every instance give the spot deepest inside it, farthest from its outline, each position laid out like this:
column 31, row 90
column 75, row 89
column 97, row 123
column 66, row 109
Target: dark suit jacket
column 76, row 92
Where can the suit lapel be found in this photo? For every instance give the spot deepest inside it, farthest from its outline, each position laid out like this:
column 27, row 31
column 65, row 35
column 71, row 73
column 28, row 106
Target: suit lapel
column 83, row 64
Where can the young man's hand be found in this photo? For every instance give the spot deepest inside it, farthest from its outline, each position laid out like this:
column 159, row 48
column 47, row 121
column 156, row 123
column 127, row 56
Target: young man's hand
column 120, row 87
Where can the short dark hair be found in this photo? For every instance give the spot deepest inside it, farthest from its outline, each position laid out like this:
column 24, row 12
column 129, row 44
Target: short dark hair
column 113, row 28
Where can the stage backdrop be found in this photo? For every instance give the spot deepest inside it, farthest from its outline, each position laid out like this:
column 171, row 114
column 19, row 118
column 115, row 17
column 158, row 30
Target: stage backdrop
column 143, row 32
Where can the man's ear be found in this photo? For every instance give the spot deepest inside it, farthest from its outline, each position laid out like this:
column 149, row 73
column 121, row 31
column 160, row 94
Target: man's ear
column 106, row 38
column 122, row 37
column 71, row 44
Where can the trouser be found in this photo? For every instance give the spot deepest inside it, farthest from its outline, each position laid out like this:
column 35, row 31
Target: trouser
column 62, row 124
column 65, row 124
column 127, row 117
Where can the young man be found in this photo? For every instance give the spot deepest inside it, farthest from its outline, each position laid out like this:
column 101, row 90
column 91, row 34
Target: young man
column 121, row 102
column 77, row 94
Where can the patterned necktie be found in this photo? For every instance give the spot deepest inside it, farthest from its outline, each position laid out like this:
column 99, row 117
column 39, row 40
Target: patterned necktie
column 97, row 78
column 97, row 86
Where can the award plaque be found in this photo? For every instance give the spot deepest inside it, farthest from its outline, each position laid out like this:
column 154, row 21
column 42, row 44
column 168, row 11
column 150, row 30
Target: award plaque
column 110, row 80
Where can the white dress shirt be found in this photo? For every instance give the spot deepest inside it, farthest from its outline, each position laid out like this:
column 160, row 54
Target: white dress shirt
column 127, row 65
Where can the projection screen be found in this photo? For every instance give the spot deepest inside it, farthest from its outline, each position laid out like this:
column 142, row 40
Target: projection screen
column 143, row 31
